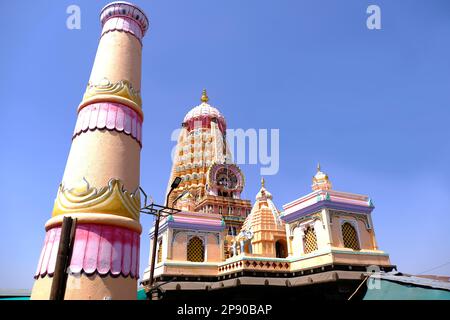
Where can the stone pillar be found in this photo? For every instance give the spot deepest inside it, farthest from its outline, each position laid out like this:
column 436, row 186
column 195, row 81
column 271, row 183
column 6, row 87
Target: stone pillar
column 100, row 186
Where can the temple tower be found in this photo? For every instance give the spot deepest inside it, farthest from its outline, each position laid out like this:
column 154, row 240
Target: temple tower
column 101, row 179
column 203, row 160
column 263, row 232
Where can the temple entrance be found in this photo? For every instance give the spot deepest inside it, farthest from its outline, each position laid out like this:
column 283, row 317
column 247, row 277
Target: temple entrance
column 281, row 249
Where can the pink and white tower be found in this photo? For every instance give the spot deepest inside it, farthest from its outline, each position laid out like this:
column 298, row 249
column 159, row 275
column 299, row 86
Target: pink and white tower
column 100, row 186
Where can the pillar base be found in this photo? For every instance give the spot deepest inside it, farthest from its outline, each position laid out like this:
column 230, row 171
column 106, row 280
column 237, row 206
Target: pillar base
column 89, row 287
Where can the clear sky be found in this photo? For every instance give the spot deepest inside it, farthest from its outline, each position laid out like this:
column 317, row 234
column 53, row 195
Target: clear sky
column 371, row 105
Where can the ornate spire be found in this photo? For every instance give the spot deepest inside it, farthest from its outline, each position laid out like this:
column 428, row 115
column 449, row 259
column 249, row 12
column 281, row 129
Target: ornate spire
column 263, row 182
column 204, row 98
column 320, row 180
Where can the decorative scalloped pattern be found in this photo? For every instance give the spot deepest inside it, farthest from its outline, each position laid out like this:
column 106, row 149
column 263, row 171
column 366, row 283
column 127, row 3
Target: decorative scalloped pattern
column 202, row 115
column 203, row 110
column 121, row 9
column 97, row 248
column 123, row 24
column 111, row 116
column 111, row 199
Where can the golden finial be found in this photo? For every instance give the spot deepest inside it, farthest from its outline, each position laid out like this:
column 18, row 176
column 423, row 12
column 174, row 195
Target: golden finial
column 204, row 96
column 318, row 166
column 263, row 182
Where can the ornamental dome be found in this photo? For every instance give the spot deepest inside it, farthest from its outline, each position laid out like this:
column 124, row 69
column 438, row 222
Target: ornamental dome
column 263, row 194
column 264, row 216
column 204, row 113
column 321, row 181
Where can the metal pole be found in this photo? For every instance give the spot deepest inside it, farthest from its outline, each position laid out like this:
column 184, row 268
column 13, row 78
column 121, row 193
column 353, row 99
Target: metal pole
column 155, row 243
column 59, row 279
column 174, row 185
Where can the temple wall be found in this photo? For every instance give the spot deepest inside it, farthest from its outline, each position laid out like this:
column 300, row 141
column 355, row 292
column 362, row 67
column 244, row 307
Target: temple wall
column 315, row 261
column 213, row 251
column 179, row 247
column 362, row 259
column 296, row 243
column 365, row 237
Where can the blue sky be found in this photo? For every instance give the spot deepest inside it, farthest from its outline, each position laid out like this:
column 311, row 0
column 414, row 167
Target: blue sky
column 371, row 106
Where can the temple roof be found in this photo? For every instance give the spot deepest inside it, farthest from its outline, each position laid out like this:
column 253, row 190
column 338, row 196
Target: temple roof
column 321, row 180
column 264, row 212
column 263, row 194
column 189, row 220
column 204, row 109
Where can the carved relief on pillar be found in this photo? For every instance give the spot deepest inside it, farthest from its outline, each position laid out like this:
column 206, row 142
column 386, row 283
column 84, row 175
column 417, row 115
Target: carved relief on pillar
column 106, row 91
column 111, row 199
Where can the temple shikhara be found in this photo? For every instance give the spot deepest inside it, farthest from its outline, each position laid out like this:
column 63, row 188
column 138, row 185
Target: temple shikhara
column 218, row 244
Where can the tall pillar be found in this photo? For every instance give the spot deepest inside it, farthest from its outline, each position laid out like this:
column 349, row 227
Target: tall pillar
column 101, row 178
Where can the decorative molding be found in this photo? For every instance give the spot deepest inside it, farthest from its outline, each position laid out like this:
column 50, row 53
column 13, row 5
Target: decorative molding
column 327, row 204
column 124, row 10
column 304, row 221
column 358, row 216
column 123, row 24
column 106, row 91
column 97, row 248
column 109, row 116
column 112, row 199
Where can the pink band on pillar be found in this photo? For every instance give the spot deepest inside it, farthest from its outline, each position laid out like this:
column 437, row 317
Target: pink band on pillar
column 124, row 16
column 123, row 24
column 97, row 249
column 111, row 116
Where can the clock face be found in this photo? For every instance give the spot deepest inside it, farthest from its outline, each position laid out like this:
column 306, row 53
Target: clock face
column 226, row 178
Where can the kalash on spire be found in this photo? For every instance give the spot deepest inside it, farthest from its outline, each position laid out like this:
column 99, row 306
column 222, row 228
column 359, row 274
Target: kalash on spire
column 211, row 182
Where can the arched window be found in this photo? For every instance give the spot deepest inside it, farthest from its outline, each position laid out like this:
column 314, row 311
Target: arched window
column 160, row 251
column 309, row 240
column 350, row 236
column 195, row 250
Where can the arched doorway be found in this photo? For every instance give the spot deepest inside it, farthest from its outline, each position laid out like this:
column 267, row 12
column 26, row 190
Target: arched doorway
column 281, row 249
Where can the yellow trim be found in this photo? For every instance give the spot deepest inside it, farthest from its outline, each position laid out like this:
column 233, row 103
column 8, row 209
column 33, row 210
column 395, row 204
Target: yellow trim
column 104, row 219
column 121, row 92
column 112, row 199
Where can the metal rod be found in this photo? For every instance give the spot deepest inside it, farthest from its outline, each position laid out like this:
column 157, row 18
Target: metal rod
column 59, row 277
column 155, row 243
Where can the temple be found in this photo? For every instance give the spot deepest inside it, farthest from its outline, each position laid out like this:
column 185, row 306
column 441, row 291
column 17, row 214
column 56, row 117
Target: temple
column 321, row 244
column 222, row 245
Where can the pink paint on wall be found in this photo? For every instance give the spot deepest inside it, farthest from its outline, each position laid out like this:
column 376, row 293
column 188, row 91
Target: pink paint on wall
column 97, row 248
